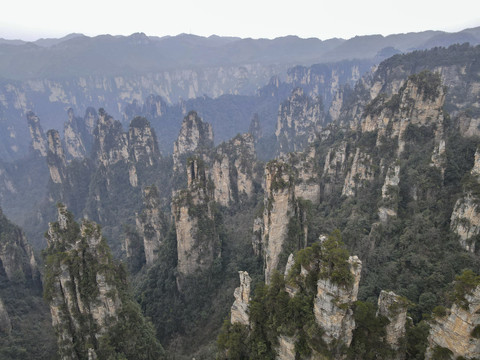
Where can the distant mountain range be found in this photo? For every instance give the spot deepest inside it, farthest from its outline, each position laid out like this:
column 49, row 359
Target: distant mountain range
column 77, row 54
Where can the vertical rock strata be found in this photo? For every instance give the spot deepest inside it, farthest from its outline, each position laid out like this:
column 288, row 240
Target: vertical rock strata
column 193, row 210
column 239, row 310
column 465, row 218
column 394, row 308
column 195, row 137
column 457, row 330
column 299, row 118
column 332, row 307
column 151, row 224
column 87, row 295
column 39, row 141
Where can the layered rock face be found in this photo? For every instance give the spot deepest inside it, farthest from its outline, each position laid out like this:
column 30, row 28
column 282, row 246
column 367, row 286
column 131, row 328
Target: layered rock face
column 81, row 285
column 299, row 118
column 388, row 208
column 289, row 182
column 455, row 331
column 39, row 141
column 85, row 290
column 195, row 137
column 151, row 224
column 418, row 102
column 279, row 205
column 465, row 219
column 394, row 308
column 332, row 306
column 56, row 158
column 239, row 310
column 193, row 210
column 360, row 171
column 78, row 134
column 17, row 260
column 232, row 170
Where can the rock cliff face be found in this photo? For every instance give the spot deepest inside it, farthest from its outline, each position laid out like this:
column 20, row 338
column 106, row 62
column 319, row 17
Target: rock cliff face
column 233, row 170
column 394, row 308
column 195, row 137
column 360, row 171
column 465, row 218
column 290, row 183
column 39, row 141
column 78, row 133
column 17, row 261
column 279, row 205
column 56, row 158
column 455, row 331
column 299, row 118
column 193, row 210
column 419, row 102
column 388, row 208
column 239, row 310
column 152, row 224
column 85, row 289
column 332, row 307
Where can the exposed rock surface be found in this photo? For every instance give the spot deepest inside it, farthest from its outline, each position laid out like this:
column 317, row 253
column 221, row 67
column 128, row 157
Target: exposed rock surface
column 394, row 308
column 299, row 118
column 17, row 260
column 77, row 135
column 239, row 310
column 332, row 307
column 85, row 289
column 56, row 157
column 389, row 204
column 39, row 141
column 465, row 218
column 233, row 170
column 195, row 136
column 360, row 171
column 279, row 204
column 286, row 348
column 454, row 330
column 194, row 214
column 151, row 224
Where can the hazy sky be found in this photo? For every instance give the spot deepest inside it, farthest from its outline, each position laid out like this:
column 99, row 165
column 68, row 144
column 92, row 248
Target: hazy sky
column 33, row 19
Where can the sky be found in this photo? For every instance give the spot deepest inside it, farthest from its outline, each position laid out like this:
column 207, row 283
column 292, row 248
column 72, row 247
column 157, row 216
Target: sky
column 34, row 19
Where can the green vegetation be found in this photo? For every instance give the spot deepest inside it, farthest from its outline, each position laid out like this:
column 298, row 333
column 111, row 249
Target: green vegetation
column 82, row 254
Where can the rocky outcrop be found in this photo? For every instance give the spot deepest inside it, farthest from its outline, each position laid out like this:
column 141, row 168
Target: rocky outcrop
column 457, row 331
column 299, row 118
column 110, row 142
column 75, row 136
column 465, row 218
column 239, row 310
column 233, row 170
column 152, row 224
column 195, row 137
column 394, row 308
column 334, row 167
column 360, row 171
column 17, row 261
column 86, row 290
column 142, row 143
column 193, row 210
column 418, row 102
column 286, row 348
column 5, row 324
column 307, row 184
column 279, row 206
column 388, row 206
column 39, row 141
column 332, row 306
column 56, row 158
